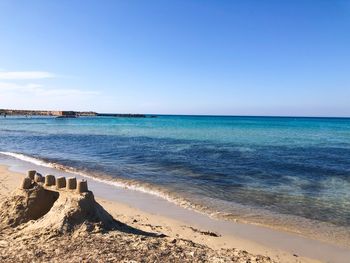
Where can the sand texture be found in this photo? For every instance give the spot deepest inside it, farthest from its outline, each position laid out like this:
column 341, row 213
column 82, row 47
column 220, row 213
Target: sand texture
column 43, row 224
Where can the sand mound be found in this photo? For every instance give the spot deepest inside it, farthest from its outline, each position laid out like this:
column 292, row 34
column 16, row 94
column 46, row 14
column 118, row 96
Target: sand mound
column 72, row 212
column 26, row 204
column 54, row 211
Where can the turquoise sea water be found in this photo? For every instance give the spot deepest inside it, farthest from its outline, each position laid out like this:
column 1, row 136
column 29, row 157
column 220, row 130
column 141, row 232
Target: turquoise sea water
column 286, row 166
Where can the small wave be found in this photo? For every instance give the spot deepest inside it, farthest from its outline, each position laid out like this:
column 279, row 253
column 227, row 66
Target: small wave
column 29, row 159
column 122, row 183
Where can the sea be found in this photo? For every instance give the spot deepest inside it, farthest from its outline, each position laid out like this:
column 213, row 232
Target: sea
column 285, row 172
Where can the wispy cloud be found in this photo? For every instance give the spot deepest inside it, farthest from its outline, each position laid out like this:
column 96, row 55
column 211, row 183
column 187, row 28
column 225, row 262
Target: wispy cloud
column 40, row 90
column 22, row 75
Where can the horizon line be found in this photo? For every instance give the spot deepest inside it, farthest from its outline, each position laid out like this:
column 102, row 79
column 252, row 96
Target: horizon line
column 200, row 115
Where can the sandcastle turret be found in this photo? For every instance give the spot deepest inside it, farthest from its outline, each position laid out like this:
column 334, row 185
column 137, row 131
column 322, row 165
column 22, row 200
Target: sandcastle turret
column 50, row 180
column 71, row 183
column 31, row 174
column 39, row 178
column 60, row 182
column 26, row 183
column 82, row 186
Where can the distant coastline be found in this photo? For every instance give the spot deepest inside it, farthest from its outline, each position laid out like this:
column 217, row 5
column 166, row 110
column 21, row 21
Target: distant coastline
column 14, row 112
column 67, row 114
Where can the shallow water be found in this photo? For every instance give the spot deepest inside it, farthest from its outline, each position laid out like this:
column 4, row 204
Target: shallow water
column 297, row 167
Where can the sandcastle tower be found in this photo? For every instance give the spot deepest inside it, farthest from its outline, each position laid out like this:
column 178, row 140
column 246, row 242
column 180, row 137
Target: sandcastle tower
column 82, row 186
column 60, row 183
column 50, row 180
column 38, row 178
column 26, row 183
column 31, row 174
column 72, row 183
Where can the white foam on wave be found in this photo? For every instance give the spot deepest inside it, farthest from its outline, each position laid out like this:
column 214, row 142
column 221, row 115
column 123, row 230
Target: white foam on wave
column 27, row 158
column 130, row 185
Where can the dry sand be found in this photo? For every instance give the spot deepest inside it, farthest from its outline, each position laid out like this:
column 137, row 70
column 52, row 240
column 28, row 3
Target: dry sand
column 78, row 229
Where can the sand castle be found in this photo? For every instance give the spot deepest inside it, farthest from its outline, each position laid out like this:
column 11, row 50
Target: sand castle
column 54, row 204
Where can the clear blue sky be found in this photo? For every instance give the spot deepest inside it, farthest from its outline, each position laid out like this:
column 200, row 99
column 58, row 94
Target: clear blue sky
column 177, row 57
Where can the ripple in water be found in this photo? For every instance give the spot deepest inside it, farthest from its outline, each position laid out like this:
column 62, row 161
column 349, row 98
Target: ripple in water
column 255, row 169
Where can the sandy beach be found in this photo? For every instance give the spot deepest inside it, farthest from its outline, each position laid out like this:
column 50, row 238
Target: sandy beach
column 174, row 131
column 140, row 237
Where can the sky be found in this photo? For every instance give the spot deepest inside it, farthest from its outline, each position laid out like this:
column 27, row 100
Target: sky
column 285, row 58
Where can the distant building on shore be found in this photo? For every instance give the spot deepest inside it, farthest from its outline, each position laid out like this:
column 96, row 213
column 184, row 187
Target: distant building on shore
column 64, row 114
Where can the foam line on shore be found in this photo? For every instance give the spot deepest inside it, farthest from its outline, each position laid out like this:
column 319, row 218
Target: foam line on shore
column 122, row 183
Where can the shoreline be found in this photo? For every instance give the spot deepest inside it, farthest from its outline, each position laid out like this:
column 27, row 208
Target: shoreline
column 290, row 224
column 199, row 228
